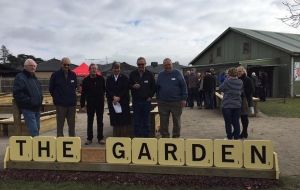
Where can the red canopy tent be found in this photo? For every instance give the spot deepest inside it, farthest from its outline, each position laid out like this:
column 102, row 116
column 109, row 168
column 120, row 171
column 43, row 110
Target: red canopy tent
column 83, row 70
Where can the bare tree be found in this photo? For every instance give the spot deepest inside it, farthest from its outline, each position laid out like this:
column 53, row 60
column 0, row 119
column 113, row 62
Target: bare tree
column 4, row 53
column 293, row 19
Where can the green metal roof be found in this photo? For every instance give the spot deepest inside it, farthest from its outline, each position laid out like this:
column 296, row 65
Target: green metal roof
column 287, row 42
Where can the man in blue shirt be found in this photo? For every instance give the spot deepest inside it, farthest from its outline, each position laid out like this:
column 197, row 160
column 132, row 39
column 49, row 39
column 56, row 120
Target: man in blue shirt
column 171, row 97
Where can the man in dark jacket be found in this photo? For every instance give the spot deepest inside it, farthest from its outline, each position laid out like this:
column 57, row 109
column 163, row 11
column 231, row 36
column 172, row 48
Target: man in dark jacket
column 192, row 88
column 62, row 87
column 142, row 85
column 93, row 89
column 209, row 87
column 27, row 92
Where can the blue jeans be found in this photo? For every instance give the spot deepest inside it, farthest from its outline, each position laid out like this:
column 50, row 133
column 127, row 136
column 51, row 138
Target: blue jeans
column 141, row 116
column 231, row 118
column 32, row 121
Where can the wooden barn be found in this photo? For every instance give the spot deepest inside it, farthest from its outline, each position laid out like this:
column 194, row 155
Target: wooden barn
column 275, row 54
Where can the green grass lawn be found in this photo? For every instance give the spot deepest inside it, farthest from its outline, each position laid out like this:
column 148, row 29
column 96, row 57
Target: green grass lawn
column 279, row 108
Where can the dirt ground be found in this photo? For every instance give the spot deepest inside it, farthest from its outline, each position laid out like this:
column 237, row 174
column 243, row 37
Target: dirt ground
column 284, row 132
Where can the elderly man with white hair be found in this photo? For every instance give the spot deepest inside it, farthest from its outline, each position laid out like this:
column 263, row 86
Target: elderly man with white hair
column 27, row 92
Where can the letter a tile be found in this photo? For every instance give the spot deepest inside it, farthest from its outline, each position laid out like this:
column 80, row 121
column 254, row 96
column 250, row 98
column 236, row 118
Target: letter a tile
column 118, row 150
column 20, row 148
column 68, row 149
column 44, row 149
column 258, row 154
column 199, row 152
column 228, row 153
column 144, row 151
column 171, row 151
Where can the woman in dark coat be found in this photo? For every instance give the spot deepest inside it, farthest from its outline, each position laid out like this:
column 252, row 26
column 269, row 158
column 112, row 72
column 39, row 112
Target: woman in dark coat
column 247, row 99
column 117, row 92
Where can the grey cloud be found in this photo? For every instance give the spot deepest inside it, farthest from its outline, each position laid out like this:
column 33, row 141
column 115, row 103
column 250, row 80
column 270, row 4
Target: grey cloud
column 123, row 30
column 30, row 34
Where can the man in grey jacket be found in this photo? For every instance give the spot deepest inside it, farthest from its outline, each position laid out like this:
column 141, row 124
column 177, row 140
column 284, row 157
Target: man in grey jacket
column 171, row 97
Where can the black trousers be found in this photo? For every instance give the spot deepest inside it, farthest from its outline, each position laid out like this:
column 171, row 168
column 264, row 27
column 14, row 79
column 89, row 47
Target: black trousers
column 91, row 110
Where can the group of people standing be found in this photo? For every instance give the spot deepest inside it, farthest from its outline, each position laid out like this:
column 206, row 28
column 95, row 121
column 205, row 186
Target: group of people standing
column 201, row 88
column 170, row 89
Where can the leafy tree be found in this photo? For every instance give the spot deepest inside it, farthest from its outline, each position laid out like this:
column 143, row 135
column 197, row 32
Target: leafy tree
column 4, row 54
column 13, row 61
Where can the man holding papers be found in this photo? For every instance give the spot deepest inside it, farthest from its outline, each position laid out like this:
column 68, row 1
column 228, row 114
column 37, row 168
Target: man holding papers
column 117, row 93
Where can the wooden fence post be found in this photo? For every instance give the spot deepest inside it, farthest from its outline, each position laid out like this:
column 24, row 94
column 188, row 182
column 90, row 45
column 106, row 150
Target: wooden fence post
column 17, row 118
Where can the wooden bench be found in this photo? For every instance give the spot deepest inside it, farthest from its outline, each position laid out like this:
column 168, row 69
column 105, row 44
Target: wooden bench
column 219, row 98
column 15, row 125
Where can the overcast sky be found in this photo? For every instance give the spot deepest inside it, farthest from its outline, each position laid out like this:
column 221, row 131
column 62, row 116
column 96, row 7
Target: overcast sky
column 123, row 30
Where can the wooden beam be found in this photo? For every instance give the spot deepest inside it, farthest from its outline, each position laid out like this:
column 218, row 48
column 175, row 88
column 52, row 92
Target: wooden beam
column 276, row 165
column 6, row 157
column 154, row 169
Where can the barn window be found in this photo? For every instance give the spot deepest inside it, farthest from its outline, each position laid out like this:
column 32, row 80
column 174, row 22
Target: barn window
column 219, row 53
column 211, row 57
column 246, row 48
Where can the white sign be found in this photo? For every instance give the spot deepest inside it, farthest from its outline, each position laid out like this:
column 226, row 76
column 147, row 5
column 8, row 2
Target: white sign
column 297, row 71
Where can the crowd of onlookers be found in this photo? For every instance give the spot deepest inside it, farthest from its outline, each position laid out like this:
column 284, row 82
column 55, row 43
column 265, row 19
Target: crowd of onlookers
column 238, row 90
column 202, row 86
